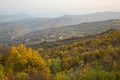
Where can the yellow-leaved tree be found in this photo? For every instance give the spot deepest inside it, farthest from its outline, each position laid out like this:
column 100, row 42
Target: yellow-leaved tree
column 27, row 61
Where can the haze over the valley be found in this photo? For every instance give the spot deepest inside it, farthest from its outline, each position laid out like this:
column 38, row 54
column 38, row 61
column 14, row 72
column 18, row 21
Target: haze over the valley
column 55, row 8
column 19, row 18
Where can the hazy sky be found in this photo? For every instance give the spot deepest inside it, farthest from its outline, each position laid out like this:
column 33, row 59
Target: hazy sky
column 57, row 7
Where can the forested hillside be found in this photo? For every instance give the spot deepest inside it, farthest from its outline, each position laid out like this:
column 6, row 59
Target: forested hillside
column 66, row 32
column 94, row 58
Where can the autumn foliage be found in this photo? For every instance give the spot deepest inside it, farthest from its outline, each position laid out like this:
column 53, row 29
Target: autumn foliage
column 96, row 58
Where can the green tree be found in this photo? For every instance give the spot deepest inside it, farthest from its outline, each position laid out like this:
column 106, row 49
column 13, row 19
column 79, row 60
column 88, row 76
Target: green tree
column 61, row 76
column 56, row 66
column 1, row 72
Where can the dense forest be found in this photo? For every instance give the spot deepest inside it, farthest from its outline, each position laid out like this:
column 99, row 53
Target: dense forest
column 94, row 58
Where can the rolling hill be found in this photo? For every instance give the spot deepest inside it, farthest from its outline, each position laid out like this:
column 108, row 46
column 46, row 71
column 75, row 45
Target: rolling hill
column 73, row 31
column 10, row 18
column 13, row 29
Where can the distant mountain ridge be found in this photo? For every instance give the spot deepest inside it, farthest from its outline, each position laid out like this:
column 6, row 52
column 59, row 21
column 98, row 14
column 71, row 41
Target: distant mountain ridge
column 77, row 19
column 26, row 24
column 15, row 17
